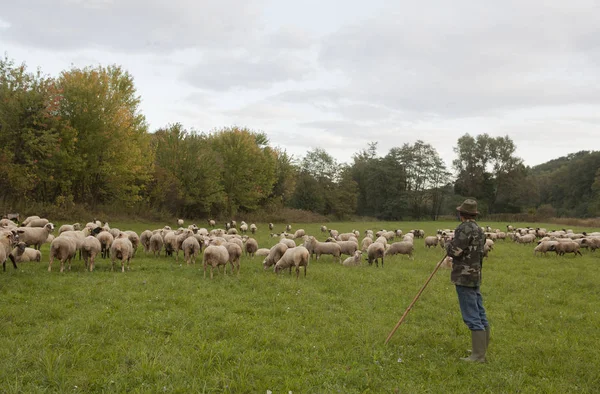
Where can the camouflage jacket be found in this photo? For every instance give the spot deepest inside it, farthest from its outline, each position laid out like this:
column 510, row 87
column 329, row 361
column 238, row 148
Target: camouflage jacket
column 466, row 250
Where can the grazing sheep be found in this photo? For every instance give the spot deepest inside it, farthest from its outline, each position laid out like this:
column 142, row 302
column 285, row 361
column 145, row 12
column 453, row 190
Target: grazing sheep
column 262, row 252
column 243, row 228
column 271, row 225
column 63, row 248
column 299, row 233
column 375, row 251
column 288, row 242
column 353, row 261
column 253, row 228
column 215, row 256
column 180, row 222
column 235, row 253
column 106, row 239
column 274, row 255
column 121, row 249
column 191, row 248
column 134, row 239
column 23, row 254
column 565, row 247
column 288, row 228
column 431, row 241
column 89, row 250
column 403, row 247
column 296, row 257
column 185, row 234
column 114, row 232
column 319, row 248
column 323, row 229
column 145, row 240
column 348, row 247
column 365, row 243
column 170, row 243
column 35, row 235
column 38, row 223
column 382, row 240
column 251, row 247
column 69, row 227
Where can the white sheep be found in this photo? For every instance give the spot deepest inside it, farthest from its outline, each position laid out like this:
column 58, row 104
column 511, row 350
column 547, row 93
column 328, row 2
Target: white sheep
column 431, row 241
column 106, row 239
column 243, row 228
column 253, row 228
column 288, row 242
column 353, row 261
column 215, row 256
column 319, row 248
column 323, row 229
column 375, row 251
column 156, row 244
column 191, row 248
column 180, row 222
column 69, row 227
column 63, row 248
column 7, row 241
column 28, row 219
column 565, row 247
column 543, row 247
column 22, row 254
column 288, row 228
column 121, row 249
column 274, row 255
column 348, row 247
column 235, row 253
column 262, row 252
column 145, row 240
column 212, row 223
column 299, row 233
column 271, row 226
column 90, row 248
column 35, row 235
column 251, row 247
column 403, row 247
column 295, row 257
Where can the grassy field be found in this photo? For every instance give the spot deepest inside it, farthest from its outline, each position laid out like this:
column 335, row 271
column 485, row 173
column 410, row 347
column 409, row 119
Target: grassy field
column 162, row 327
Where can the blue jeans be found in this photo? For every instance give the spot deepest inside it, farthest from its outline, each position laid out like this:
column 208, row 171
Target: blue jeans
column 471, row 307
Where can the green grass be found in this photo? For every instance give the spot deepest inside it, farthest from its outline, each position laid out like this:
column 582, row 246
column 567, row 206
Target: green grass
column 162, row 327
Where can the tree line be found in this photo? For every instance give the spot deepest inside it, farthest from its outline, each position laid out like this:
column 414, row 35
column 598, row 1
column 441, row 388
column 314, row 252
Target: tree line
column 80, row 139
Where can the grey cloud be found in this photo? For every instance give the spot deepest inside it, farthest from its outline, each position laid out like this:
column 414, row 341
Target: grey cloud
column 131, row 25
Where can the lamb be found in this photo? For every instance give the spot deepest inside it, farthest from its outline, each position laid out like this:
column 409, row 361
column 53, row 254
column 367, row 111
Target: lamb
column 296, row 257
column 251, row 247
column 235, row 252
column 156, row 244
column 7, row 240
column 121, row 249
column 215, row 256
column 299, row 233
column 69, row 227
column 274, row 255
column 319, row 248
column 565, row 247
column 35, row 235
column 375, row 251
column 64, row 249
column 145, row 240
column 89, row 250
column 262, row 252
column 190, row 247
column 353, row 261
column 23, row 254
column 543, row 247
column 106, row 239
column 431, row 241
column 403, row 247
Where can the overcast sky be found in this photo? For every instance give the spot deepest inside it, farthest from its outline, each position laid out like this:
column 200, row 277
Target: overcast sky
column 339, row 74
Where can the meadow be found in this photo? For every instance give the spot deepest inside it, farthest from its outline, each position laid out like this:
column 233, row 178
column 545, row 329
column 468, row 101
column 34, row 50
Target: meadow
column 163, row 327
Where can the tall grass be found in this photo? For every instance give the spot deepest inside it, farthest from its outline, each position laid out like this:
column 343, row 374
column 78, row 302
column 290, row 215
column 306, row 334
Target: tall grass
column 162, row 327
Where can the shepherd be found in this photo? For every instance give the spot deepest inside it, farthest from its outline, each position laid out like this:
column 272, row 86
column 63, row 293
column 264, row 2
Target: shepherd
column 466, row 250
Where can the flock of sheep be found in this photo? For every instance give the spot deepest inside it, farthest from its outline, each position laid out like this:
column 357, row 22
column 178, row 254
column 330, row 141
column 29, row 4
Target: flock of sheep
column 223, row 247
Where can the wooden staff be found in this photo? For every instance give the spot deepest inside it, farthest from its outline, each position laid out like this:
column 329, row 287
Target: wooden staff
column 414, row 300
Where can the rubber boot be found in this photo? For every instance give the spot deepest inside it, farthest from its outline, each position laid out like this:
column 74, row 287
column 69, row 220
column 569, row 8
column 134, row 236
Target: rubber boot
column 488, row 331
column 479, row 342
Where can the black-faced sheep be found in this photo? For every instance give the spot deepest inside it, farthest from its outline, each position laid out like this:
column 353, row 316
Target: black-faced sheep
column 22, row 254
column 215, row 256
column 295, row 257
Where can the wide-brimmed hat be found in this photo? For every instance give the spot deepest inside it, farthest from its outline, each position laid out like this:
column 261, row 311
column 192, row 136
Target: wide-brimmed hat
column 468, row 206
